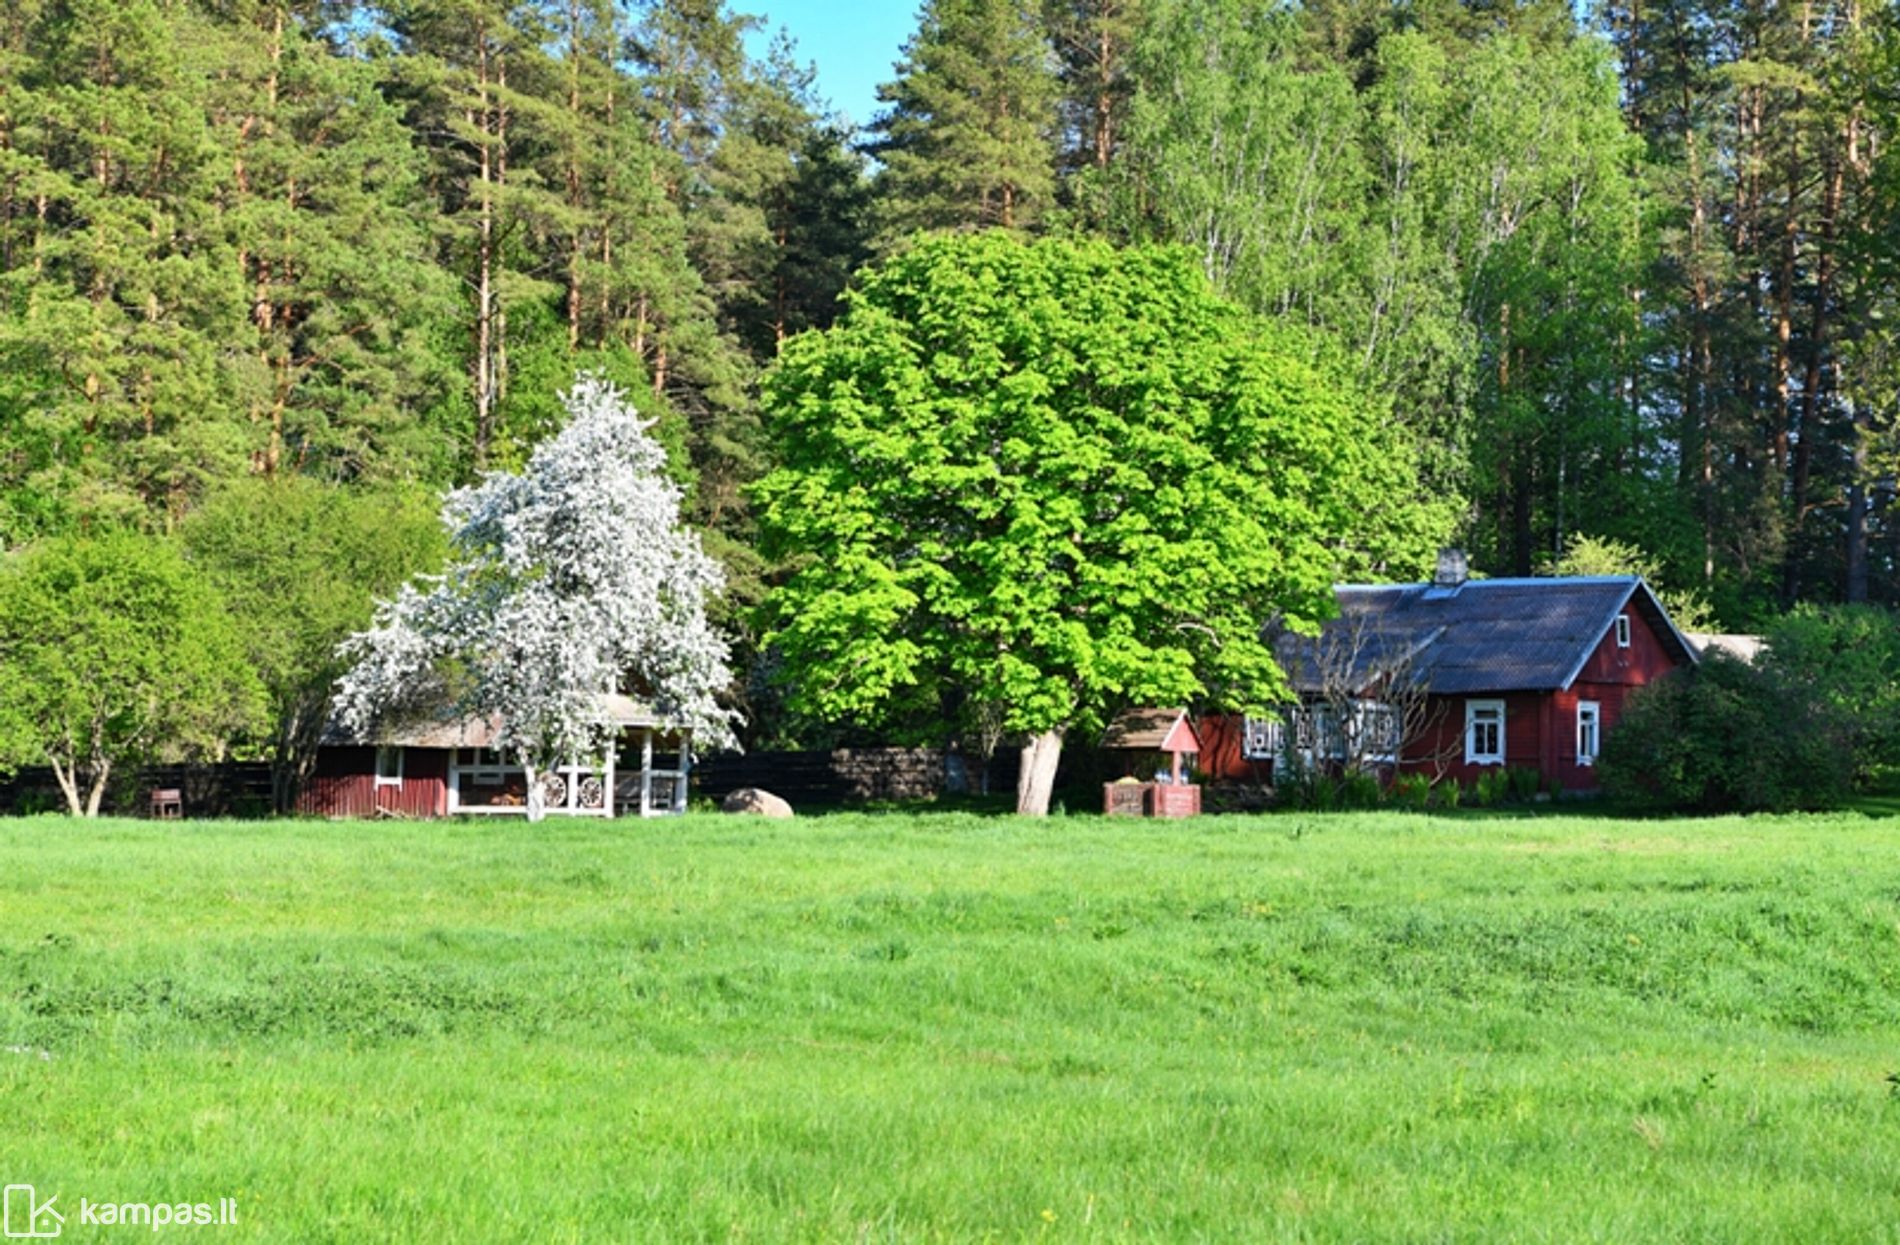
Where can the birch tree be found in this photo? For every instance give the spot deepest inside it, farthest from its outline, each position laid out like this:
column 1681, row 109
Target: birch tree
column 114, row 652
column 569, row 580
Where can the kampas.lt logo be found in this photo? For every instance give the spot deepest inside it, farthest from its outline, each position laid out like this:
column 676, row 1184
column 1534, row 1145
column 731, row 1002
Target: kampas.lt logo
column 23, row 1215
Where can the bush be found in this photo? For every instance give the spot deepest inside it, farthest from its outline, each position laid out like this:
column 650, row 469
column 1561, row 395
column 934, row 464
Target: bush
column 1411, row 790
column 1848, row 656
column 1490, row 788
column 1360, row 789
column 1726, row 736
column 1523, row 782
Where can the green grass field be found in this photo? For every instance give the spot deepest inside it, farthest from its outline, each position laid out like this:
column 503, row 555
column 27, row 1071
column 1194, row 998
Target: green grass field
column 945, row 1027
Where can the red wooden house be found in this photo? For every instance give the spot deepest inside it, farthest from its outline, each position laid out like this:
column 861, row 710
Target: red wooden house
column 1460, row 676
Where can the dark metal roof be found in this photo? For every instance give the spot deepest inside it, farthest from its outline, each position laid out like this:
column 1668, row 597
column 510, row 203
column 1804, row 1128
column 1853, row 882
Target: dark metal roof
column 1485, row 635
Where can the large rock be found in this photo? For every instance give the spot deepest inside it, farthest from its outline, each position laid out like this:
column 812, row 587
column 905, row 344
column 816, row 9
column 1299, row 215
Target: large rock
column 758, row 803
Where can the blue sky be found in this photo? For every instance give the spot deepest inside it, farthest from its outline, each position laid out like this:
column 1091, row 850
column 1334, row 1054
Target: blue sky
column 854, row 44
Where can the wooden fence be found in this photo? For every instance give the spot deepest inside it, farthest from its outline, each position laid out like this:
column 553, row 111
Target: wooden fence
column 849, row 775
column 839, row 776
column 227, row 789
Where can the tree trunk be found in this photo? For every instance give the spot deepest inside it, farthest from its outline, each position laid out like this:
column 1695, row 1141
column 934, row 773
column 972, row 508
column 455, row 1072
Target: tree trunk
column 1037, row 778
column 101, row 771
column 537, row 805
column 479, row 119
column 69, row 787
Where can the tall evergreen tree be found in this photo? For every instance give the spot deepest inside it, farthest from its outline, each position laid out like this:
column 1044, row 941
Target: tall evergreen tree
column 969, row 137
column 324, row 212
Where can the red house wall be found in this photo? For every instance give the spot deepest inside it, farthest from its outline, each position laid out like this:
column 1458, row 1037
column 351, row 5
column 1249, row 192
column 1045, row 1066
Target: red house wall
column 1608, row 677
column 1220, row 751
column 345, row 785
column 1540, row 728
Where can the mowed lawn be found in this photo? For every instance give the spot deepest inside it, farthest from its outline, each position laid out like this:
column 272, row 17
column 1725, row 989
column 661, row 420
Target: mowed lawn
column 945, row 1027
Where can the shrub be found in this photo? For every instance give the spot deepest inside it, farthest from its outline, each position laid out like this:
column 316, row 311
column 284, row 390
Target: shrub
column 1490, row 788
column 1360, row 789
column 1727, row 736
column 1449, row 793
column 1411, row 790
column 1848, row 656
column 1523, row 782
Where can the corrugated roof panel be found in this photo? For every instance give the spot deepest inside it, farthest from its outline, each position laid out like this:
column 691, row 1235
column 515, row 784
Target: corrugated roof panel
column 1492, row 635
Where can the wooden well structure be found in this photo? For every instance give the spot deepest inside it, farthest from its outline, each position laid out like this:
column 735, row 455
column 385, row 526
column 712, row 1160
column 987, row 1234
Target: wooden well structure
column 1157, row 748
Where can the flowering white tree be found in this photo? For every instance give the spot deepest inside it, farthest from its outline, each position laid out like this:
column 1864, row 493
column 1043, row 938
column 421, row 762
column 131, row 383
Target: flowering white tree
column 569, row 580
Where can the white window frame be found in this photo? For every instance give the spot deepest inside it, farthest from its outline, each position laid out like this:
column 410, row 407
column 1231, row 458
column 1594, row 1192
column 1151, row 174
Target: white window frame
column 1261, row 738
column 389, row 780
column 1376, row 731
column 1329, row 734
column 483, row 767
column 1473, row 708
column 1622, row 631
column 1589, row 713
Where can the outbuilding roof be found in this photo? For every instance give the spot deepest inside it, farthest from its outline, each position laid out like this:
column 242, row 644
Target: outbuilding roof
column 477, row 732
column 1152, row 730
column 1483, row 635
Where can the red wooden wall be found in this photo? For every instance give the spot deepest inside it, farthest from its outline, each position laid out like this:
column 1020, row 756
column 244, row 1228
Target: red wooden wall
column 1540, row 728
column 345, row 784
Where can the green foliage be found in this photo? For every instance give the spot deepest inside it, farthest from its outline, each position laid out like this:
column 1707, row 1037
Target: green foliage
column 1410, row 790
column 1491, row 788
column 969, row 138
column 1602, row 555
column 300, row 564
column 113, row 651
column 1522, row 782
column 1054, row 479
column 1360, row 789
column 1461, row 218
column 1849, row 658
column 1729, row 736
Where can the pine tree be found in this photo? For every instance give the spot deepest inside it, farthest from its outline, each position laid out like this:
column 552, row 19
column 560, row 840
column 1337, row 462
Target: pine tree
column 323, row 209
column 969, row 138
column 119, row 296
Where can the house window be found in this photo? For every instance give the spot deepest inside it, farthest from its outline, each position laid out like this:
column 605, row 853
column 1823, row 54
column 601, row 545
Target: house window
column 1376, row 730
column 1622, row 631
column 389, row 767
column 1589, row 732
column 1484, row 732
column 1329, row 738
column 483, row 767
column 1260, row 739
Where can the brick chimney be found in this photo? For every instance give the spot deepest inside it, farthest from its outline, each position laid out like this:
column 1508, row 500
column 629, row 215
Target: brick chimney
column 1452, row 569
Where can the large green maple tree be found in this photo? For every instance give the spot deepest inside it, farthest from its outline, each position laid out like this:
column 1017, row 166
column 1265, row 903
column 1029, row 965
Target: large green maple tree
column 1052, row 479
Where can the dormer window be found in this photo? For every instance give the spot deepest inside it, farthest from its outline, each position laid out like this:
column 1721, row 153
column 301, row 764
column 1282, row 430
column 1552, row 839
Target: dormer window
column 1622, row 631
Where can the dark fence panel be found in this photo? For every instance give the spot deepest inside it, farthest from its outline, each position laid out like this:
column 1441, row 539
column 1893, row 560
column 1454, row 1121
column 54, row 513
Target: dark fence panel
column 230, row 788
column 849, row 775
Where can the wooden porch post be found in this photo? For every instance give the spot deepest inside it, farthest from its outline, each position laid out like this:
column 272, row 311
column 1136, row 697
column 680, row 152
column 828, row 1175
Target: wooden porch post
column 646, row 773
column 686, row 769
column 607, row 803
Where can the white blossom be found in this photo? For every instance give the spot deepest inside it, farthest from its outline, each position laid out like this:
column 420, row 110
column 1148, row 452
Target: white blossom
column 571, row 579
